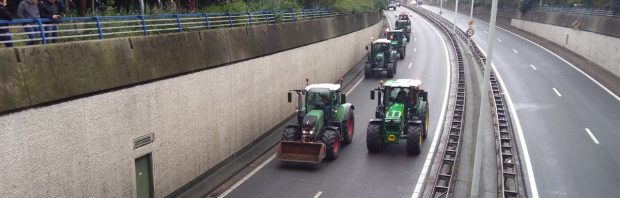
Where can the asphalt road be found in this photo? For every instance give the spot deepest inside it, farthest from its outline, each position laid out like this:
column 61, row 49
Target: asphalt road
column 356, row 173
column 570, row 124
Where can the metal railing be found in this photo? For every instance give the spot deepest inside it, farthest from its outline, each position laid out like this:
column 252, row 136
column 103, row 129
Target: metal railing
column 44, row 31
column 578, row 10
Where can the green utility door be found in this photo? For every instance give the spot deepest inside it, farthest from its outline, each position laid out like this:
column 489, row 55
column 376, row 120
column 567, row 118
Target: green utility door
column 144, row 177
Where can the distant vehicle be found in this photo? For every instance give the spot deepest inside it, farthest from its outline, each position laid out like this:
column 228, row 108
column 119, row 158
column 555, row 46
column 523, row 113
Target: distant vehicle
column 392, row 5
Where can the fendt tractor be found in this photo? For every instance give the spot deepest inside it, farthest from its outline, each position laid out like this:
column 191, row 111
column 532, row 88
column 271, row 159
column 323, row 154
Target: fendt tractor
column 382, row 57
column 325, row 121
column 402, row 113
column 405, row 27
column 398, row 41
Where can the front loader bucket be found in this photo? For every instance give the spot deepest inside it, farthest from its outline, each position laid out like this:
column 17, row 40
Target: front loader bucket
column 301, row 152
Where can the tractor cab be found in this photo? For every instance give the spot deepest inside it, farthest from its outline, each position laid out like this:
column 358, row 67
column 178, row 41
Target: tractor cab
column 382, row 57
column 381, row 50
column 397, row 38
column 404, row 16
column 405, row 26
column 323, row 99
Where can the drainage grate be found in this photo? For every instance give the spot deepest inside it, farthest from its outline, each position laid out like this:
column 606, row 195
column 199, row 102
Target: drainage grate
column 143, row 140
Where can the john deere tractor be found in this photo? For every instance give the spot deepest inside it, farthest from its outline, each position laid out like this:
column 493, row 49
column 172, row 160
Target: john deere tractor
column 398, row 42
column 325, row 121
column 401, row 114
column 404, row 25
column 382, row 57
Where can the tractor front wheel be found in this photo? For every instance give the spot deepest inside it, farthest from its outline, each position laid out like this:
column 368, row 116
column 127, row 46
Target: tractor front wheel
column 414, row 139
column 349, row 130
column 391, row 70
column 291, row 134
column 374, row 138
column 331, row 139
column 367, row 71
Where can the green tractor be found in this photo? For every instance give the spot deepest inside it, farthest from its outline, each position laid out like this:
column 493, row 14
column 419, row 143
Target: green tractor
column 382, row 57
column 404, row 25
column 325, row 121
column 402, row 113
column 398, row 41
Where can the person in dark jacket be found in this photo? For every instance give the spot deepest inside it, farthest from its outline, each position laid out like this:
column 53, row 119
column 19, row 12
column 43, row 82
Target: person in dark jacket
column 28, row 9
column 5, row 36
column 49, row 9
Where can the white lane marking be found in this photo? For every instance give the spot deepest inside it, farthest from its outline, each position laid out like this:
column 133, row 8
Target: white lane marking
column 533, row 67
column 517, row 122
column 410, row 65
column 356, row 84
column 557, row 92
column 233, row 187
column 429, row 157
column 514, row 50
column 415, row 49
column 592, row 136
column 562, row 59
column 486, row 32
column 415, row 39
column 499, row 40
column 318, row 194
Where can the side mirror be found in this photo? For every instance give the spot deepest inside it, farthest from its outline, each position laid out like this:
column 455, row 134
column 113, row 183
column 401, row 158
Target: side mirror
column 372, row 94
column 290, row 97
column 366, row 47
column 424, row 96
column 343, row 98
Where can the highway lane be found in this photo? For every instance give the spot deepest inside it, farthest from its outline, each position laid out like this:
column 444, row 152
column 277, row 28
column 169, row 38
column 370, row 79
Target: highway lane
column 570, row 123
column 356, row 173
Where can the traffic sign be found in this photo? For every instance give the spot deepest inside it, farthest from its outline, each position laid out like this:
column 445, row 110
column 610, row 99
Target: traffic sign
column 469, row 32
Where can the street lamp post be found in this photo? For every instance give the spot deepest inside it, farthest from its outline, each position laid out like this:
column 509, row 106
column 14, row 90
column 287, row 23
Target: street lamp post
column 440, row 6
column 484, row 105
column 456, row 13
column 471, row 12
column 142, row 7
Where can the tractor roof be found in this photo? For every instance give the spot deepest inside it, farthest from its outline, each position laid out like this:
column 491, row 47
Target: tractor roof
column 402, row 83
column 383, row 40
column 399, row 30
column 331, row 87
column 402, row 21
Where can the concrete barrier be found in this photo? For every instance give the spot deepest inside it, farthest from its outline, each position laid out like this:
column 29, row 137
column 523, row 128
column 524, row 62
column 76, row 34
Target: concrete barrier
column 600, row 49
column 84, row 147
column 47, row 74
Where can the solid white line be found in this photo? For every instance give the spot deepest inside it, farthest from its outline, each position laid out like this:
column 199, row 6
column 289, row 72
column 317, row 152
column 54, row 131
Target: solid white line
column 233, row 187
column 557, row 92
column 499, row 40
column 415, row 49
column 514, row 50
column 415, row 39
column 356, row 84
column 557, row 56
column 533, row 67
column 592, row 136
column 429, row 157
column 410, row 64
column 486, row 32
column 517, row 122
column 318, row 194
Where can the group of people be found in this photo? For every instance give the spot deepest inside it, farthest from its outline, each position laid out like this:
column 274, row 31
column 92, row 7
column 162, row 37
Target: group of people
column 32, row 9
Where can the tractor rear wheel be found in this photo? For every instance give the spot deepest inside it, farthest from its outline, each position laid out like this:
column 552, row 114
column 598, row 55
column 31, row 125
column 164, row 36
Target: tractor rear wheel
column 414, row 139
column 391, row 70
column 291, row 134
column 402, row 53
column 348, row 130
column 331, row 139
column 374, row 138
column 425, row 122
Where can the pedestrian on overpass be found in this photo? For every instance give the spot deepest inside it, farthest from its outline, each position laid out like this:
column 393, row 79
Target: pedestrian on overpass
column 5, row 35
column 49, row 9
column 28, row 9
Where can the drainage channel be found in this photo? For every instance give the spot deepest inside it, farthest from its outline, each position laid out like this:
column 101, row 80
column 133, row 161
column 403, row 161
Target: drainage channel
column 446, row 175
column 510, row 179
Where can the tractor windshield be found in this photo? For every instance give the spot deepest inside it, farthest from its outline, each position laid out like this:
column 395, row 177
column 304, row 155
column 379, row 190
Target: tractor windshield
column 394, row 35
column 380, row 47
column 317, row 98
column 401, row 24
column 397, row 95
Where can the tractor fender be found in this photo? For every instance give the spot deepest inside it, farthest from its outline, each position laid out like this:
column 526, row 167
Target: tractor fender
column 345, row 111
column 421, row 108
column 415, row 123
column 331, row 127
column 376, row 121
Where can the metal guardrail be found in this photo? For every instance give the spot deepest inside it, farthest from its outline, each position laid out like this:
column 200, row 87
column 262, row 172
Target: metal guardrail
column 449, row 159
column 510, row 177
column 577, row 10
column 44, row 31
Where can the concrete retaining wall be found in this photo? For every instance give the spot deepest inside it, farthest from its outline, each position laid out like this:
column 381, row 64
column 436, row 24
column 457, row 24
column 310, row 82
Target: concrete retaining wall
column 46, row 74
column 601, row 49
column 84, row 147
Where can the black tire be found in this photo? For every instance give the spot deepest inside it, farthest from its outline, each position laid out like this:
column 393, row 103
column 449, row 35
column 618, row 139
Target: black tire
column 331, row 139
column 425, row 122
column 349, row 124
column 374, row 138
column 291, row 133
column 408, row 38
column 414, row 141
column 402, row 53
column 391, row 70
column 367, row 71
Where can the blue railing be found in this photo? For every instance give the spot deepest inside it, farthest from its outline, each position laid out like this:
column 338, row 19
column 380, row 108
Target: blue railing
column 44, row 31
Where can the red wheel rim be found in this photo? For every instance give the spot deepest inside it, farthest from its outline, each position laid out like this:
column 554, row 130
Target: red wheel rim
column 350, row 128
column 336, row 145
